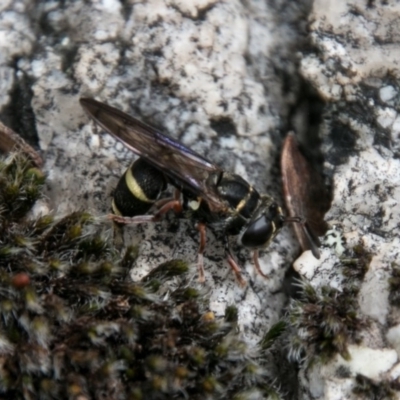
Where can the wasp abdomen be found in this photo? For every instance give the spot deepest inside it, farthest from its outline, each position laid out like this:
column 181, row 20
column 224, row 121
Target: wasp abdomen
column 138, row 189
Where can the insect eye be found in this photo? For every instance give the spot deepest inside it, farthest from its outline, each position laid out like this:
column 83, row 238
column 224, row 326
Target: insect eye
column 258, row 233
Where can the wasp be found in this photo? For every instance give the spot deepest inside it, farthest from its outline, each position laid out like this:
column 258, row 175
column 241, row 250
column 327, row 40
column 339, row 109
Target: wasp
column 204, row 192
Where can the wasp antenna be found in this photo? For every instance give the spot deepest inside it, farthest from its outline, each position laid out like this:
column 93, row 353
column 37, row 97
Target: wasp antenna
column 313, row 241
column 296, row 220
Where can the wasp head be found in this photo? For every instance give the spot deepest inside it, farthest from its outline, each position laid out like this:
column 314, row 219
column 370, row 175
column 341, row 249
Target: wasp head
column 265, row 223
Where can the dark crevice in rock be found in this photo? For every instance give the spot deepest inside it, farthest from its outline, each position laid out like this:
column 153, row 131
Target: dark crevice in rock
column 224, row 127
column 18, row 115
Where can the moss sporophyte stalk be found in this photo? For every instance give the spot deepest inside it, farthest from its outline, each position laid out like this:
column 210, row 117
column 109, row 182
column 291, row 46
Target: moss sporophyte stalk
column 74, row 325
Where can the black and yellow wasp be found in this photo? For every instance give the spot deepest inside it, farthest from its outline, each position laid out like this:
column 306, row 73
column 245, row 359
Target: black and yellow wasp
column 204, row 192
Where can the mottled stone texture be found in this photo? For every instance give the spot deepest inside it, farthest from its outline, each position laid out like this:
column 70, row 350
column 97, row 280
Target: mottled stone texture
column 354, row 66
column 218, row 75
column 229, row 78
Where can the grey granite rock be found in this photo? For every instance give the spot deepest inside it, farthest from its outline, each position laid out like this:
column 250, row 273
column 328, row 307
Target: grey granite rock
column 355, row 69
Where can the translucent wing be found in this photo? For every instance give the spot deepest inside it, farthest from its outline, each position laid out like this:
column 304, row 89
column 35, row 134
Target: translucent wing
column 186, row 169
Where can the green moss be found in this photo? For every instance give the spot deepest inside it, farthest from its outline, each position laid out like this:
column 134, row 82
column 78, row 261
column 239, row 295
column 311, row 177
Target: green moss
column 273, row 334
column 357, row 265
column 231, row 314
column 164, row 271
column 323, row 322
column 20, row 185
column 74, row 324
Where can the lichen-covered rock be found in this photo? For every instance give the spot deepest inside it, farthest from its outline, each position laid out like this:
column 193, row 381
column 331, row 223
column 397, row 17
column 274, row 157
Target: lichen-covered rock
column 355, row 70
column 221, row 76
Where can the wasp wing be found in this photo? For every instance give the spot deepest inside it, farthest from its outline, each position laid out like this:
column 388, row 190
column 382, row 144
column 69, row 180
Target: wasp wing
column 305, row 195
column 187, row 169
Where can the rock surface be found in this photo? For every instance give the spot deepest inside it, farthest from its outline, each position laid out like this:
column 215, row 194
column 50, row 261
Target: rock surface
column 222, row 77
column 355, row 68
column 219, row 76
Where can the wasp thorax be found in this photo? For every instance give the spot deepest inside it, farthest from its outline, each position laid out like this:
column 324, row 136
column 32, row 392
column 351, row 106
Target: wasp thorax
column 263, row 227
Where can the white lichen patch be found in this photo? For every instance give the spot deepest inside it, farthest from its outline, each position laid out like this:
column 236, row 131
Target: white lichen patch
column 335, row 239
column 372, row 363
column 336, row 380
column 321, row 272
column 387, row 93
column 373, row 297
column 393, row 337
column 386, row 117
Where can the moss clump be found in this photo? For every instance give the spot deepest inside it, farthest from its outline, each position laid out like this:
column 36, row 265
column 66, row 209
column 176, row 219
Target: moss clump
column 73, row 324
column 357, row 265
column 273, row 334
column 323, row 322
column 20, row 186
column 366, row 388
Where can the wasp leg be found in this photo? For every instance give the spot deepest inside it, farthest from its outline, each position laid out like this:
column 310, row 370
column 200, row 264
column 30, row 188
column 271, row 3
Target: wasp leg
column 201, row 227
column 177, row 197
column 233, row 264
column 257, row 265
column 159, row 203
column 173, row 204
column 162, row 206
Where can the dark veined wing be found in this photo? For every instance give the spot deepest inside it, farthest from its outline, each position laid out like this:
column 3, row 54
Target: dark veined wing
column 305, row 194
column 184, row 166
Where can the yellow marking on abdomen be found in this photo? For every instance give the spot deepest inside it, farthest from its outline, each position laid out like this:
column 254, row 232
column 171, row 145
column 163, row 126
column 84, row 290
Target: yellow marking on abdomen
column 135, row 188
column 115, row 209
